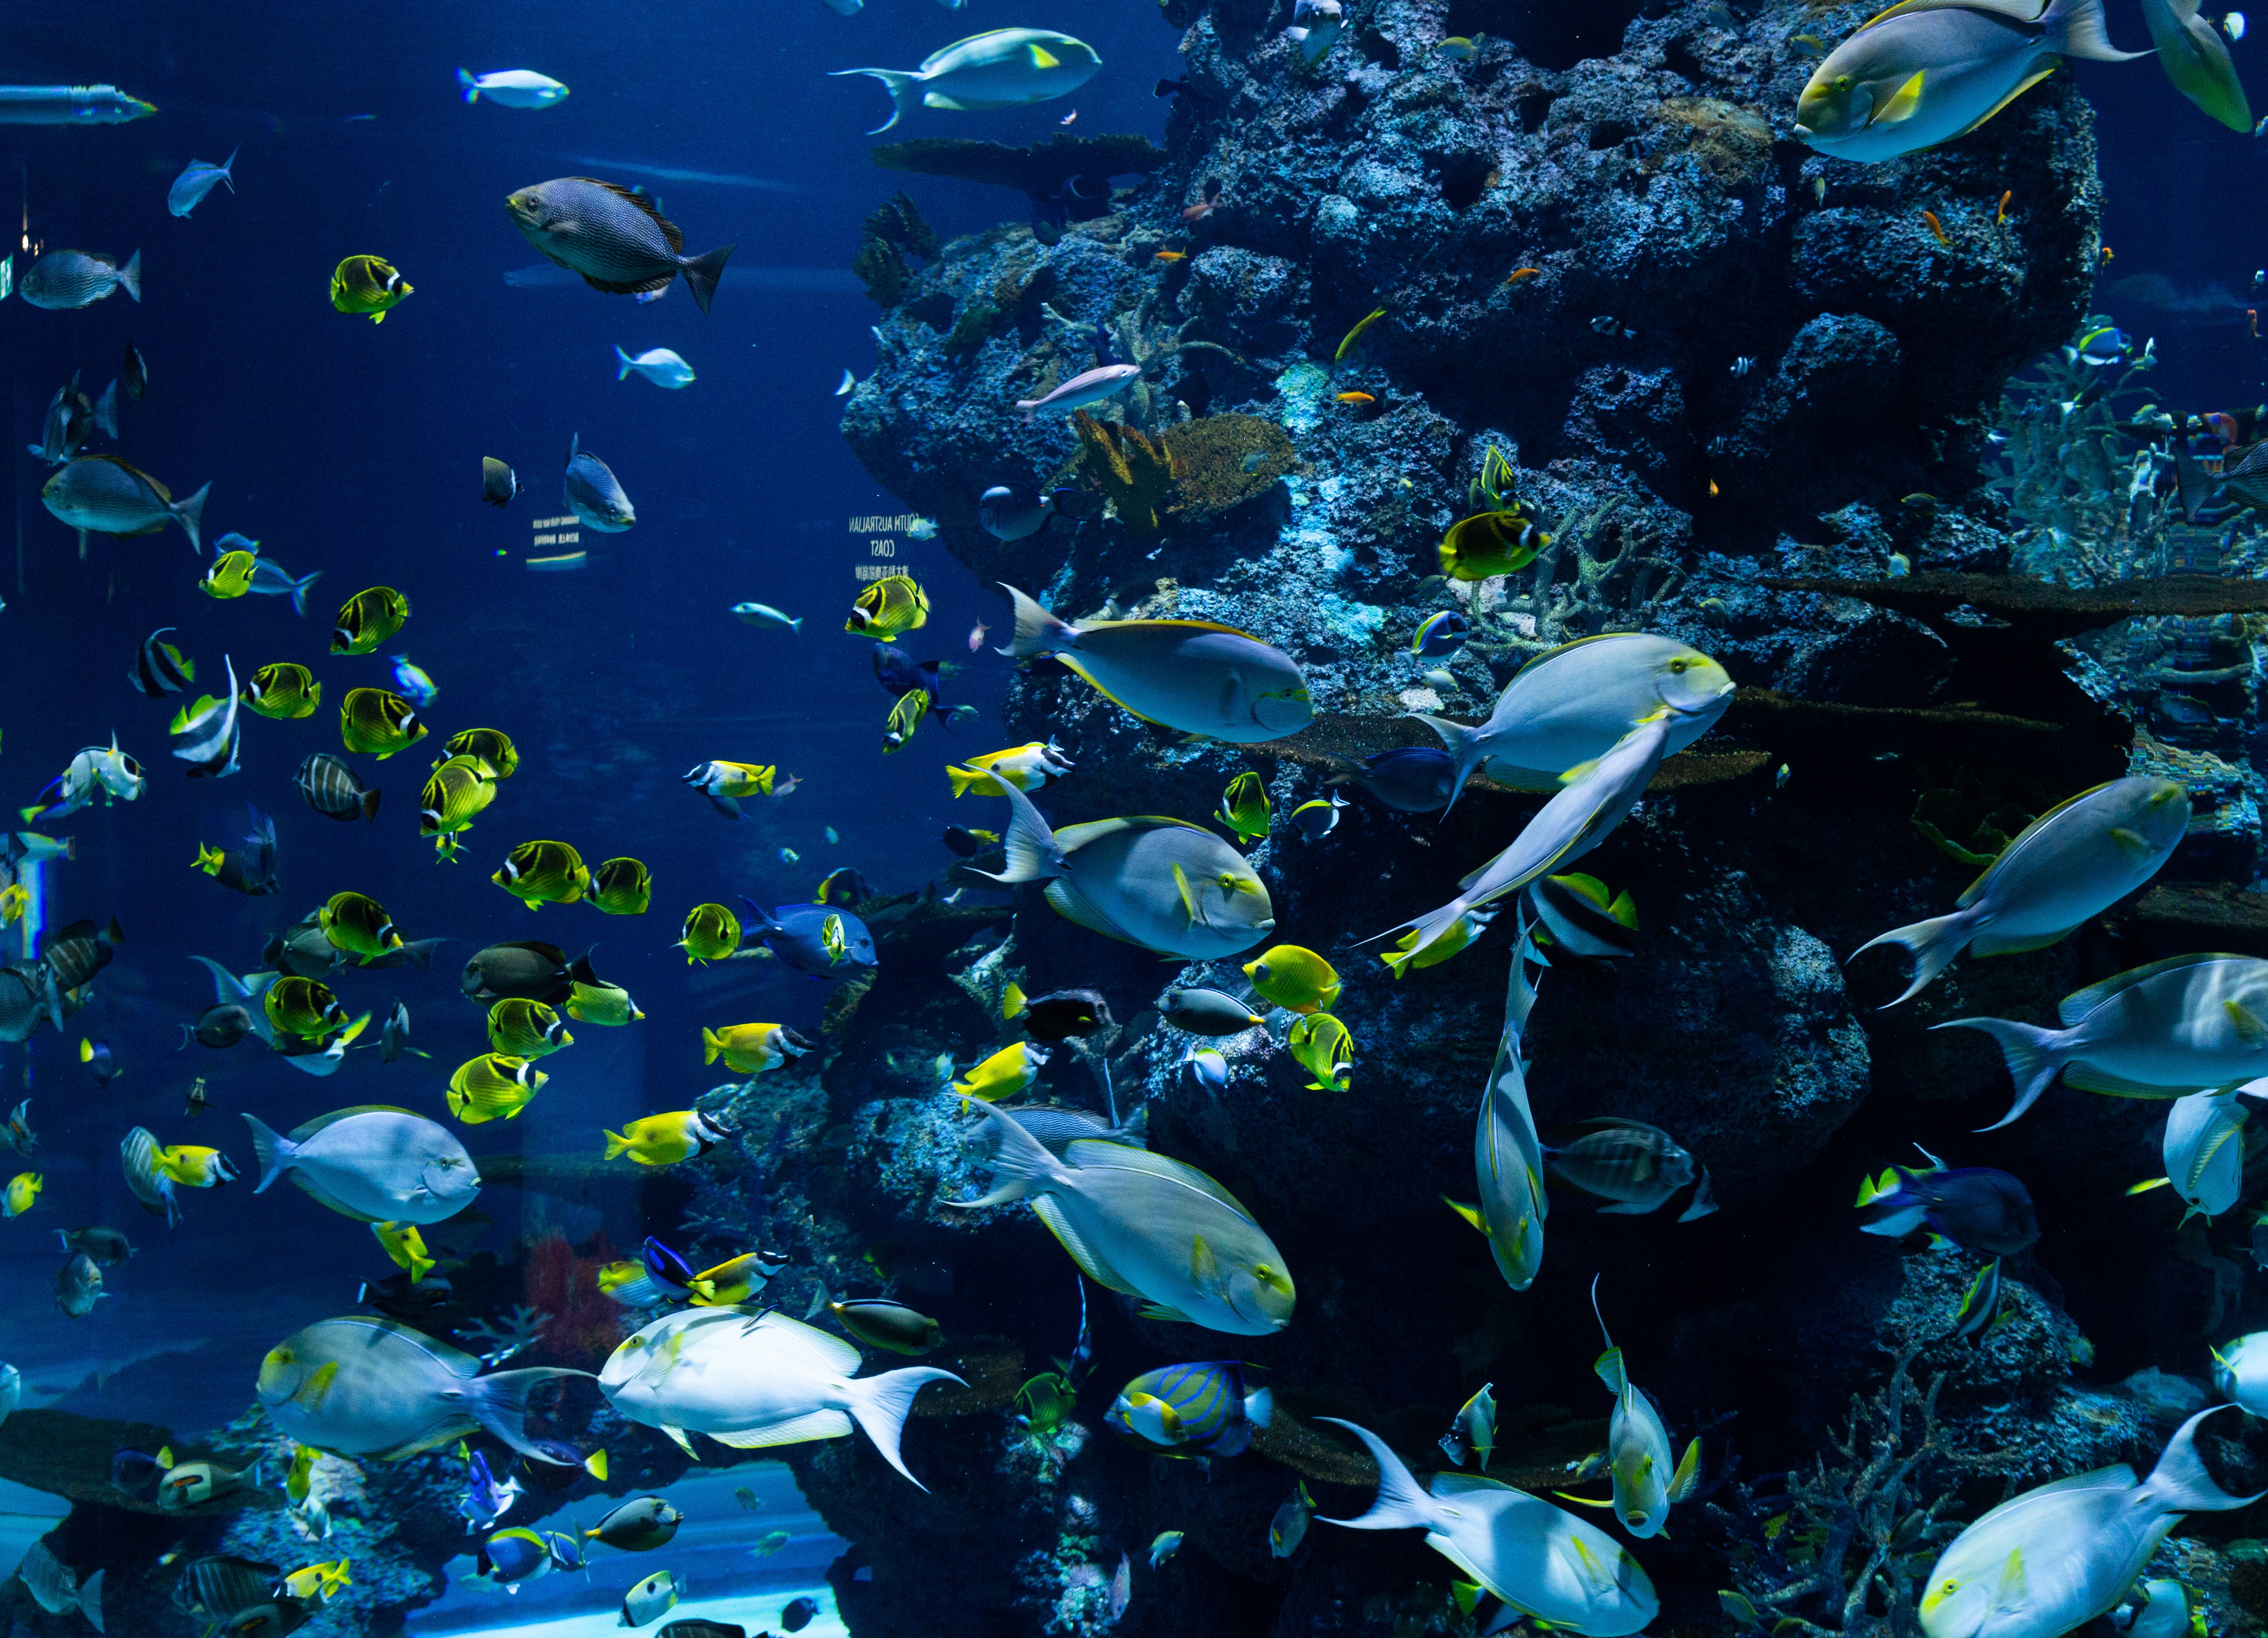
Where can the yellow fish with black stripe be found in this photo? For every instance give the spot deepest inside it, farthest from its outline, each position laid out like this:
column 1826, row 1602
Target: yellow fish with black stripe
column 379, row 722
column 665, row 1140
column 712, row 933
column 456, row 793
column 367, row 619
column 303, row 1007
column 543, row 872
column 358, row 925
column 621, row 887
column 229, row 576
column 282, row 692
column 752, row 1049
column 406, row 1247
column 893, row 604
column 520, row 1027
column 493, row 1086
column 492, row 746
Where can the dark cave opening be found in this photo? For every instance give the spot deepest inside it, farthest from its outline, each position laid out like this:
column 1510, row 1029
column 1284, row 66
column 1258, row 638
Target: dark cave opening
column 1549, row 36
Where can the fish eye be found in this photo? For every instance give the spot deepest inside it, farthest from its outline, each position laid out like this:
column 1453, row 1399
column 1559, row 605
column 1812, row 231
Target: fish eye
column 1841, row 81
column 1679, row 665
column 1950, row 1588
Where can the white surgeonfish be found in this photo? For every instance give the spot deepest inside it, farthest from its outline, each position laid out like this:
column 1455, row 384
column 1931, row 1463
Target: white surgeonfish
column 2069, row 864
column 2191, row 51
column 2204, row 1149
column 1637, row 1446
column 1508, row 1155
column 370, row 1163
column 1002, row 68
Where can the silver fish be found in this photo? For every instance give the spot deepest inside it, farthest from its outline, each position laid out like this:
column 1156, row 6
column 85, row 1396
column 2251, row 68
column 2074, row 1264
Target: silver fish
column 1090, row 387
column 616, row 238
column 1013, row 514
column 73, row 278
column 56, row 1589
column 498, row 485
column 593, row 493
column 333, row 788
column 385, row 1165
column 78, row 1287
column 1636, row 1166
column 107, row 496
column 192, row 184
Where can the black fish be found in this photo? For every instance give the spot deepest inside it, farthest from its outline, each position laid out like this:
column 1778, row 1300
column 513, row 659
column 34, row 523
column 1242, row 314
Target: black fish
column 135, row 1472
column 1976, row 1208
column 1063, row 1013
column 160, row 667
column 699, row 1628
column 303, row 951
column 800, row 1615
column 1169, row 88
column 106, row 1246
column 895, row 671
column 80, row 951
column 134, row 372
column 843, row 885
column 1410, row 779
column 332, row 789
column 529, row 968
column 397, row 1295
column 498, row 485
column 963, row 844
column 219, row 1027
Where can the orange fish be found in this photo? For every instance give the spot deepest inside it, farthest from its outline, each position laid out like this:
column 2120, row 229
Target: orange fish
column 2003, row 215
column 1171, row 256
column 1935, row 226
column 2252, row 315
column 1519, row 274
column 1197, row 212
column 1356, row 398
column 2105, row 253
column 1713, row 486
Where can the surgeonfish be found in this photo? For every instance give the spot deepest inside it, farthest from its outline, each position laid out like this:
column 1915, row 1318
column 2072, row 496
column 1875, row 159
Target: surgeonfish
column 383, row 1165
column 2240, row 1372
column 665, row 1140
column 1637, row 1446
column 1008, row 513
column 1571, row 705
column 752, row 1049
column 2069, row 864
column 2050, row 1559
column 1207, row 1012
column 615, row 236
column 1973, row 1207
column 1164, row 884
column 1147, row 1226
column 2204, row 1150
column 640, row 1526
column 2174, row 1026
column 593, row 493
column 511, row 88
column 104, row 495
column 55, row 1587
column 1540, row 1559
column 2191, row 51
column 1194, row 675
column 1198, row 1410
column 1918, row 75
column 365, row 1385
column 880, row 1324
column 1508, row 1155
column 1002, row 68
column 752, row 1382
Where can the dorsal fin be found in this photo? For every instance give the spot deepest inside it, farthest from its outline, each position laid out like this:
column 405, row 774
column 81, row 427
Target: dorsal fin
column 669, row 230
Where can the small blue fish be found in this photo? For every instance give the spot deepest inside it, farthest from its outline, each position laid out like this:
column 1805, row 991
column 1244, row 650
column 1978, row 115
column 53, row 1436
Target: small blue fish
column 2106, row 345
column 270, row 580
column 1441, row 635
column 411, row 683
column 788, row 855
column 191, row 186
column 487, row 1498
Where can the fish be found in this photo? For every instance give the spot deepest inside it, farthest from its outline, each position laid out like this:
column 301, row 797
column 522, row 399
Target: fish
column 1295, row 978
column 134, row 372
column 303, row 1006
column 1585, row 811
column 1570, row 705
column 368, row 285
column 357, row 925
column 70, row 422
column 513, row 88
column 712, row 932
column 1028, row 766
column 1288, row 1528
column 764, row 617
column 282, row 692
column 1062, row 1014
column 527, row 967
column 1508, row 1155
column 106, row 1246
column 1317, row 819
column 57, row 1588
column 219, row 1027
column 193, row 1484
column 318, row 1583
column 383, row 1165
column 216, row 1587
column 1011, row 1070
column 658, row 365
column 78, row 1287
column 2053, row 1557
column 17, row 1136
column 365, row 1385
column 1207, row 1068
column 499, row 482
column 367, row 619
column 905, row 717
column 1357, row 398
column 1409, row 778
column 1197, row 1411
column 1472, row 1433
column 1576, row 913
column 95, row 770
column 899, row 675
column 1163, row 884
column 404, row 1247
column 1914, row 77
column 137, row 1157
column 1459, row 48
column 1207, row 1012
column 2174, row 1026
column 725, row 784
column 512, row 1555
column 2191, row 52
column 378, row 721
column 2204, row 1150
column 1194, row 675
column 592, row 493
column 616, row 238
column 754, row 1383
column 638, row 1525
column 1537, row 1558
column 543, row 872
column 1440, row 635
column 665, row 1140
column 160, row 668
column 1244, row 807
column 890, row 605
column 888, row 1325
column 1976, row 1207
column 1163, row 1545
column 1346, row 343
column 2068, row 866
column 104, row 495
column 1097, row 386
column 820, row 940
column 1008, row 513
column 61, row 280
column 652, row 1598
column 1637, row 1446
column 747, row 1498
column 493, row 1086
column 97, row 1056
column 1058, row 1127
column 492, row 746
column 229, row 576
column 21, row 1193
column 1636, row 1167
column 1319, row 1045
column 771, row 1542
column 415, row 687
column 752, row 1049
column 393, row 1035
column 1316, row 27
column 1149, row 1227
column 457, row 791
column 198, row 180
column 842, row 885
column 332, row 788
column 81, row 950
column 1000, row 68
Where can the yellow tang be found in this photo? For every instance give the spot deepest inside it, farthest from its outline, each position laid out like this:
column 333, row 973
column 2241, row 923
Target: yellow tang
column 407, row 1247
column 891, row 604
column 1490, row 543
column 367, row 619
column 367, row 284
column 284, row 692
column 1295, row 978
column 373, row 720
column 23, row 1189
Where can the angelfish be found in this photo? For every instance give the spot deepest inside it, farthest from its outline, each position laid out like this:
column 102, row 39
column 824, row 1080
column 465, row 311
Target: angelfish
column 1637, row 1446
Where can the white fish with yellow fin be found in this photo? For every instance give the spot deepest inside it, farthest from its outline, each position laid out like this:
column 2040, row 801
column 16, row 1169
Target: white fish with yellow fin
column 1637, row 1446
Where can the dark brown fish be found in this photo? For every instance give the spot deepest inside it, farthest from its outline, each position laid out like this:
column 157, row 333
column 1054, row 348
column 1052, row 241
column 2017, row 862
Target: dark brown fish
column 219, row 1028
column 529, row 968
column 80, row 951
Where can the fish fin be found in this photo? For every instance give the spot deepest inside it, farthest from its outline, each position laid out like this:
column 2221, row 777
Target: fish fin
column 1399, row 1504
column 677, row 1435
column 1099, row 1154
column 2180, row 1483
column 1033, row 853
column 1022, row 1167
column 472, row 86
column 702, row 273
column 2078, row 1003
column 499, row 1400
column 1472, row 1214
column 905, row 91
column 1609, row 1369
column 2146, row 1184
column 1989, row 943
column 1090, row 1261
column 1189, row 897
column 1933, row 944
column 2086, row 1078
column 822, row 1424
column 2076, row 28
column 1260, row 1407
column 1465, row 751
column 271, row 1150
column 2130, row 843
column 1683, row 1482
column 318, row 1385
column 1038, row 631
column 2014, row 1588
column 90, row 1591
column 189, row 512
column 1901, row 104
column 1204, row 1267
column 1597, row 1501
column 1160, row 1311
column 2034, row 1055
column 130, row 277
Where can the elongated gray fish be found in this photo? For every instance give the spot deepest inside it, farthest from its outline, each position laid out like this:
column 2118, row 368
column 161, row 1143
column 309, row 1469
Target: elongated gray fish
column 615, row 236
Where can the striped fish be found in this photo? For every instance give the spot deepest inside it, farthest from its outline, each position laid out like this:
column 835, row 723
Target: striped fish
column 1197, row 1410
column 332, row 788
column 160, row 668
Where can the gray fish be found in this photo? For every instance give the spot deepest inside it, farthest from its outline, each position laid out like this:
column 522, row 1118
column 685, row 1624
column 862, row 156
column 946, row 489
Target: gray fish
column 638, row 1525
column 216, row 1587
column 1409, row 778
column 616, row 238
column 1058, row 1126
column 1007, row 513
column 107, row 496
column 383, row 1165
column 527, row 969
column 498, row 485
column 78, row 1287
column 416, row 953
column 303, row 951
column 106, row 1246
column 55, row 1587
column 332, row 788
column 80, row 951
column 1207, row 1012
column 1637, row 1165
column 138, row 1157
column 393, row 1039
column 73, row 278
column 592, row 493
column 28, row 993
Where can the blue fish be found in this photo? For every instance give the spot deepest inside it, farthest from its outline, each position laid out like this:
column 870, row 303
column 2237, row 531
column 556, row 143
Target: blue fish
column 1976, row 1207
column 796, row 934
column 1441, row 635
column 410, row 682
column 899, row 675
column 511, row 1556
column 1199, row 1410
column 487, row 1498
column 191, row 186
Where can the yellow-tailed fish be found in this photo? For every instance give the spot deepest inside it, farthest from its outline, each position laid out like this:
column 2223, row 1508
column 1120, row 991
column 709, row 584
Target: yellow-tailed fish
column 665, row 1140
column 1003, row 1074
column 1353, row 336
column 1469, row 927
column 406, row 1247
column 1294, row 978
column 752, row 1049
column 22, row 1190
column 1637, row 1446
column 1028, row 766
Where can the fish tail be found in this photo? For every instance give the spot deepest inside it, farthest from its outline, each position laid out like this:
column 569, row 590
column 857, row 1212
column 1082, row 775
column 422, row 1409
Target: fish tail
column 1260, row 1407
column 499, row 1403
column 228, row 171
column 2035, row 1056
column 2077, row 28
column 1030, row 845
column 712, row 1048
column 89, row 1594
column 879, row 1405
column 904, row 89
column 702, row 273
column 1037, row 631
column 472, row 86
column 622, row 374
column 300, row 590
column 1462, row 744
column 1021, row 1165
column 130, row 275
column 270, row 1149
column 617, row 1146
column 1400, row 1504
column 106, row 411
column 1933, row 944
column 191, row 513
column 2180, row 1483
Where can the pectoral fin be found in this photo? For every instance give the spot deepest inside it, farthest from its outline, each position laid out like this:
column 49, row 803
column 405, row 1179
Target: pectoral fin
column 1204, row 1267
column 1188, row 895
column 2015, row 1587
column 2247, row 1024
column 1688, row 1475
column 1905, row 102
column 1471, row 1213
column 2129, row 844
column 1040, row 59
column 312, row 1391
column 2146, row 1184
